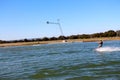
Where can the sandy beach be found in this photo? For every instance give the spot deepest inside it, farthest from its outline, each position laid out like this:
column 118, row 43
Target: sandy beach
column 57, row 41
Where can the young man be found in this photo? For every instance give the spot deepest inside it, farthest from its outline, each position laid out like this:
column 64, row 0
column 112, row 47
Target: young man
column 100, row 43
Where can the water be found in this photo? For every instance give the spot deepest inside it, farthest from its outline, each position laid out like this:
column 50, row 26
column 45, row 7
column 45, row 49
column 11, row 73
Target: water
column 65, row 61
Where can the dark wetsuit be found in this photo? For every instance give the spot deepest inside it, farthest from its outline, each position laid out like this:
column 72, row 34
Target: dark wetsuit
column 101, row 44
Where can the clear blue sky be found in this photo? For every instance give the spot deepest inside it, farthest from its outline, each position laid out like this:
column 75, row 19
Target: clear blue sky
column 21, row 19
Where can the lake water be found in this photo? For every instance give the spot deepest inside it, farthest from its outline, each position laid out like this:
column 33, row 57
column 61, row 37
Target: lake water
column 64, row 61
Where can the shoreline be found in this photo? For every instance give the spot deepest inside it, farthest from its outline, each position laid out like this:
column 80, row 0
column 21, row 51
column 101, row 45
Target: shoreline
column 58, row 41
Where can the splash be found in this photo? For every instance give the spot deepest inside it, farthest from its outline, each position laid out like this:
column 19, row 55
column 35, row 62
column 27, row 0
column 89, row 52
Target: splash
column 107, row 49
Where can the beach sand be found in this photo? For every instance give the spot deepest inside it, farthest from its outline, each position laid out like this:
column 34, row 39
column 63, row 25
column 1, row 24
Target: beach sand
column 57, row 41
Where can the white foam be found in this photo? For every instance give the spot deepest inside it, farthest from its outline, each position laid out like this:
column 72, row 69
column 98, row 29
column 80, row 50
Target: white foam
column 107, row 49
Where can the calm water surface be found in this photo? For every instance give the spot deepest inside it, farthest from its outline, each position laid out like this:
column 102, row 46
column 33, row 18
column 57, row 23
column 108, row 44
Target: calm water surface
column 65, row 61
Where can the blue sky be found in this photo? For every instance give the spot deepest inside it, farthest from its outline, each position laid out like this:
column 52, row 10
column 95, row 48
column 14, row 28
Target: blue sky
column 21, row 19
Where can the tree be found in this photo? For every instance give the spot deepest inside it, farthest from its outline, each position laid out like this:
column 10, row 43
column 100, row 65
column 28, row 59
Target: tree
column 1, row 41
column 85, row 36
column 73, row 37
column 25, row 40
column 118, row 33
column 53, row 38
column 61, row 37
column 110, row 33
column 45, row 39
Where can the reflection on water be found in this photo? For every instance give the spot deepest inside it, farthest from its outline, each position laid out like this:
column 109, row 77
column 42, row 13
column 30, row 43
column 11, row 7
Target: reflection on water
column 67, row 61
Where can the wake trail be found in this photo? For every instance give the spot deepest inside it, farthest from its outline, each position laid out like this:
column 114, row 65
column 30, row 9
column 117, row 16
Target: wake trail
column 107, row 49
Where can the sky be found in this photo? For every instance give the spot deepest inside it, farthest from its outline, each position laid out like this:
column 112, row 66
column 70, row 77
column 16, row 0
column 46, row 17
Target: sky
column 20, row 19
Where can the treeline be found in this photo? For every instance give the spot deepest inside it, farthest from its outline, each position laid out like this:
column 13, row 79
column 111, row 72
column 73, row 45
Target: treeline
column 110, row 33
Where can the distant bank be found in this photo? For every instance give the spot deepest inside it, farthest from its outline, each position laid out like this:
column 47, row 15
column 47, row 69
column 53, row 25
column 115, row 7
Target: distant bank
column 58, row 41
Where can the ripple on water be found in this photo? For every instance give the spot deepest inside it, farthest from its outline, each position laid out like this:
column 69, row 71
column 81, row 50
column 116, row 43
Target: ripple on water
column 71, row 61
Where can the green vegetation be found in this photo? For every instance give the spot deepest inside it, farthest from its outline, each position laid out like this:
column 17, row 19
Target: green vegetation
column 110, row 33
